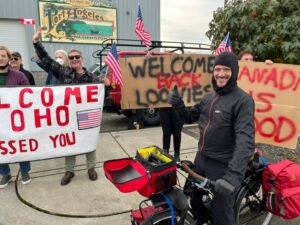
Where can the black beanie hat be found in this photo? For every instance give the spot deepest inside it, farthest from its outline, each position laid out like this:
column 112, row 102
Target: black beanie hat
column 230, row 60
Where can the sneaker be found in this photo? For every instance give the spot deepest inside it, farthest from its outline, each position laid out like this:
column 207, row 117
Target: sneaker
column 67, row 178
column 92, row 174
column 26, row 179
column 5, row 180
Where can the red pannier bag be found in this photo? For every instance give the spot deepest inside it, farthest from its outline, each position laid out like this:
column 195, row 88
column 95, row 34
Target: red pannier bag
column 281, row 189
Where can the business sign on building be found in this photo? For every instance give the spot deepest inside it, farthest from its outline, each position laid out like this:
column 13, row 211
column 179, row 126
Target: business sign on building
column 77, row 21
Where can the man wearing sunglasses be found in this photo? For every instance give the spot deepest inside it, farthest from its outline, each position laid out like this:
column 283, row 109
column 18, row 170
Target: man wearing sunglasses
column 74, row 73
column 17, row 64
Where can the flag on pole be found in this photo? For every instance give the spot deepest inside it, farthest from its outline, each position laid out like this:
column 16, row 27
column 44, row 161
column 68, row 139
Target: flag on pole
column 225, row 46
column 27, row 21
column 140, row 30
column 111, row 61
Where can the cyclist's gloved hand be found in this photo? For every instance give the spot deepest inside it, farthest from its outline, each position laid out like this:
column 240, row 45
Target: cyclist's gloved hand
column 224, row 188
column 175, row 99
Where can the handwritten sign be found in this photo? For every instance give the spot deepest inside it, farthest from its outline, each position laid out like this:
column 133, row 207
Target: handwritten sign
column 147, row 80
column 275, row 89
column 49, row 122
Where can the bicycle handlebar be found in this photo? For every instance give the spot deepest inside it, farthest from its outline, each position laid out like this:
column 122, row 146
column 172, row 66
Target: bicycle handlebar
column 187, row 169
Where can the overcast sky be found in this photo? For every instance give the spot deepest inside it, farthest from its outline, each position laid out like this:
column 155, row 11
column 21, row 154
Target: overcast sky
column 187, row 20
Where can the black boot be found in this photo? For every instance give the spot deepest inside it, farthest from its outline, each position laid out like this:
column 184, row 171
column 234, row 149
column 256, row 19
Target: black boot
column 166, row 150
column 177, row 157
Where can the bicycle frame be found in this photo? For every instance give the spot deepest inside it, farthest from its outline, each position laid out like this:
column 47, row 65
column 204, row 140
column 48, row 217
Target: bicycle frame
column 157, row 203
column 172, row 199
column 180, row 200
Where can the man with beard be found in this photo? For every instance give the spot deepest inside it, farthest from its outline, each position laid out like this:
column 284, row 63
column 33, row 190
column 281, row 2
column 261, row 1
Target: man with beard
column 226, row 144
column 11, row 77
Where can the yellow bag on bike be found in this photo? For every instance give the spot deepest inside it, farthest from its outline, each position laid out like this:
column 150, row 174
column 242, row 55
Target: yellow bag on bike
column 161, row 168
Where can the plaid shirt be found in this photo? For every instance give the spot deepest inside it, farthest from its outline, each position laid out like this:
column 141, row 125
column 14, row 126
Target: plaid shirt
column 65, row 74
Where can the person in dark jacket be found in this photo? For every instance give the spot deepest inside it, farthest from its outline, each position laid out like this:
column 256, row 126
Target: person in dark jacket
column 61, row 56
column 171, row 124
column 75, row 73
column 11, row 77
column 17, row 64
column 226, row 144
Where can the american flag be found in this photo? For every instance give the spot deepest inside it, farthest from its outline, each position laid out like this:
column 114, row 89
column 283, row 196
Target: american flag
column 27, row 21
column 111, row 61
column 140, row 30
column 89, row 119
column 225, row 46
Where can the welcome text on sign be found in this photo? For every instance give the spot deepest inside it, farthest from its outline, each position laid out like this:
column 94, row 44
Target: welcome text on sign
column 46, row 98
column 48, row 122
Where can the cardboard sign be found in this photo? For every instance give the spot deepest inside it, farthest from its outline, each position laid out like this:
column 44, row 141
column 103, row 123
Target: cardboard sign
column 147, row 80
column 49, row 122
column 275, row 89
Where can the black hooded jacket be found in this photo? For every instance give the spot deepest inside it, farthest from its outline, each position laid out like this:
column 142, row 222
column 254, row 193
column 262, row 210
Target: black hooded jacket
column 226, row 123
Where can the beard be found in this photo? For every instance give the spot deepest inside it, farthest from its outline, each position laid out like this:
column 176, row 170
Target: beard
column 4, row 67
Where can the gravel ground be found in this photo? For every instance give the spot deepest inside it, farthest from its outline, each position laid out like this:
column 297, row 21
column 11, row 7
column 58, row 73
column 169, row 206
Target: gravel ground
column 272, row 153
column 275, row 154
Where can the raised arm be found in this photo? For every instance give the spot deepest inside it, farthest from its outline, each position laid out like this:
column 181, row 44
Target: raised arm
column 49, row 64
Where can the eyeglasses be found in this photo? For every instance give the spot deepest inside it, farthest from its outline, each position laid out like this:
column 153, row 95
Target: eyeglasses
column 74, row 57
column 14, row 59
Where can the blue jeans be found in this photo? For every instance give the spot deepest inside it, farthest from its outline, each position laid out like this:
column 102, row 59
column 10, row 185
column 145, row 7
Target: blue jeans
column 5, row 170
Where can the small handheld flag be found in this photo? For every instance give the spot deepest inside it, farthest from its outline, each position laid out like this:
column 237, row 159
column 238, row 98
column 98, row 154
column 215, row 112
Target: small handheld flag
column 111, row 61
column 225, row 46
column 27, row 21
column 140, row 30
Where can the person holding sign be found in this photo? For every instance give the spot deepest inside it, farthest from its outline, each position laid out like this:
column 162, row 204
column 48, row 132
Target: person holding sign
column 61, row 56
column 247, row 55
column 75, row 73
column 11, row 77
column 226, row 144
column 17, row 64
column 171, row 123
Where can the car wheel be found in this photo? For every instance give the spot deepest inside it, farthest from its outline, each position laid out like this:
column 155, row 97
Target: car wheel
column 150, row 116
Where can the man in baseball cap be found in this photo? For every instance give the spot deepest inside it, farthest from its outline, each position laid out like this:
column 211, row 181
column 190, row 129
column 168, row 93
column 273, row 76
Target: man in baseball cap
column 17, row 64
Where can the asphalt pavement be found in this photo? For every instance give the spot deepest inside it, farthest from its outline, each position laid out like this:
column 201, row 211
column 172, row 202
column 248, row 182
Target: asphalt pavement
column 45, row 202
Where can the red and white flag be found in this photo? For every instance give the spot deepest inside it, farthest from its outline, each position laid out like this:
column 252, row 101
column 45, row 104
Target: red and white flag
column 27, row 21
